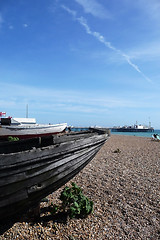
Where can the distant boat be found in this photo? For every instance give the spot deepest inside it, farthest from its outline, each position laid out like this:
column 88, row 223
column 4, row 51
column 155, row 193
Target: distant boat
column 27, row 128
column 31, row 169
column 134, row 128
column 156, row 137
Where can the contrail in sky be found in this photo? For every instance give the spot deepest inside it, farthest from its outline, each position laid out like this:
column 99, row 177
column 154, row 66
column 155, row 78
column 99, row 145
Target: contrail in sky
column 100, row 38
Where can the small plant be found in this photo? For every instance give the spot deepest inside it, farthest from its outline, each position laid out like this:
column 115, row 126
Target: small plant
column 74, row 202
column 13, row 139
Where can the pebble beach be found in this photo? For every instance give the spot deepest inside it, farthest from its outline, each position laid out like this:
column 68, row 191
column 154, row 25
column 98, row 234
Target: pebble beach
column 123, row 181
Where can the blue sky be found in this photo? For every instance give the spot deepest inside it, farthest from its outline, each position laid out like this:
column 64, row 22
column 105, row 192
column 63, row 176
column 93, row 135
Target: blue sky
column 84, row 62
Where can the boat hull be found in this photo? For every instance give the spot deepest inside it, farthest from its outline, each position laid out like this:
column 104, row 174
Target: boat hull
column 32, row 169
column 25, row 131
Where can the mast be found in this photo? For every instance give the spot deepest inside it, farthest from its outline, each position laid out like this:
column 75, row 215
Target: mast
column 27, row 111
column 149, row 123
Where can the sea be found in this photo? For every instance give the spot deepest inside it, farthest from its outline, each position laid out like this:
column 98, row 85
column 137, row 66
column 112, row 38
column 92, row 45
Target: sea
column 138, row 134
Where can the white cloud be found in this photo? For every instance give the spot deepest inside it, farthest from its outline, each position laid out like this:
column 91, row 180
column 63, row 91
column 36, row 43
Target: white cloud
column 146, row 52
column 101, row 39
column 72, row 12
column 149, row 8
column 94, row 8
column 152, row 8
column 25, row 25
column 65, row 100
column 48, row 105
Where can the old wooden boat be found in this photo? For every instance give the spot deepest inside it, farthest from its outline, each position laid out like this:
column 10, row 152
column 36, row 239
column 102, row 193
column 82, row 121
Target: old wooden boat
column 31, row 169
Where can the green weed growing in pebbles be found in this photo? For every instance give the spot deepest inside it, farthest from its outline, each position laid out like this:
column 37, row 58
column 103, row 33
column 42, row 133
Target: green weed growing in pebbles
column 74, row 202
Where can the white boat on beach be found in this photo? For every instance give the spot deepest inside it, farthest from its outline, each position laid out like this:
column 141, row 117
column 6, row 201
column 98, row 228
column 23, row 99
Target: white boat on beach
column 27, row 128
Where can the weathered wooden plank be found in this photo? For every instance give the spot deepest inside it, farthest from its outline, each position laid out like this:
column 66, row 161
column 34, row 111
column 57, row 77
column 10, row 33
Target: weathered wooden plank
column 49, row 170
column 13, row 198
column 40, row 162
column 28, row 144
column 16, row 158
column 52, row 185
column 61, row 180
column 64, row 170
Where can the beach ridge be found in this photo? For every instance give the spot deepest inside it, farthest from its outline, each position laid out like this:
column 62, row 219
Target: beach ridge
column 123, row 182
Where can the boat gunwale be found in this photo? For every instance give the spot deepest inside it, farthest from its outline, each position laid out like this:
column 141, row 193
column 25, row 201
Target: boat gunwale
column 44, row 141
